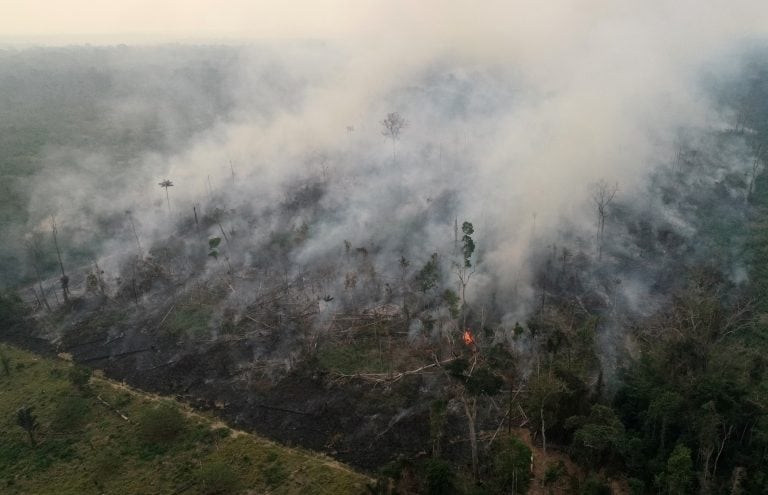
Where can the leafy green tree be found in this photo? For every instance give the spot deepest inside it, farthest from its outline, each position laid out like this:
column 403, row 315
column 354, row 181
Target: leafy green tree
column 599, row 436
column 464, row 269
column 511, row 466
column 663, row 410
column 467, row 244
column 427, row 277
column 678, row 478
column 28, row 421
column 440, row 477
column 452, row 300
column 544, row 391
column 213, row 246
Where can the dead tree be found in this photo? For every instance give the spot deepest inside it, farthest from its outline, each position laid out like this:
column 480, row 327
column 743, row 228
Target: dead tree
column 135, row 234
column 393, row 127
column 64, row 278
column 36, row 256
column 602, row 195
column 756, row 169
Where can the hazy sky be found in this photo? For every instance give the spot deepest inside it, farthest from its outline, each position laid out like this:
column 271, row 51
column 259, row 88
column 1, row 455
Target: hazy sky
column 155, row 20
column 459, row 20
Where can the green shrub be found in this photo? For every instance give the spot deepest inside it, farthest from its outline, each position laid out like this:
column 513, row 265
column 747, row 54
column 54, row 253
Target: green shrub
column 80, row 376
column 71, row 412
column 440, row 477
column 554, row 472
column 511, row 466
column 160, row 425
column 275, row 473
column 5, row 363
column 217, row 478
column 595, row 486
column 11, row 309
column 106, row 463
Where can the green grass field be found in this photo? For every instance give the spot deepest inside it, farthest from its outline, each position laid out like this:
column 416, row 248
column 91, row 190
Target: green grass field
column 84, row 446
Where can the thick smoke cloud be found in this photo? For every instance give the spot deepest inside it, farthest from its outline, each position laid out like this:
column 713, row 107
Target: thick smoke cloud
column 513, row 111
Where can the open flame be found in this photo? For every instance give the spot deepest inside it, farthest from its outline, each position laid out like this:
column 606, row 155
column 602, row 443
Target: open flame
column 468, row 338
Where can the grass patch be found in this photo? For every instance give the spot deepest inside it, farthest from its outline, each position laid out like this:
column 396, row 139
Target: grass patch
column 371, row 351
column 86, row 448
column 190, row 321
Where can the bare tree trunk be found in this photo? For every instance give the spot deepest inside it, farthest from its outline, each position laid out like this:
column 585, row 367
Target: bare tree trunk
column 543, row 431
column 40, row 285
column 136, row 235
column 64, row 278
column 470, row 408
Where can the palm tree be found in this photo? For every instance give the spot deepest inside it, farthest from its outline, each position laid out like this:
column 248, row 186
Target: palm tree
column 166, row 184
column 28, row 421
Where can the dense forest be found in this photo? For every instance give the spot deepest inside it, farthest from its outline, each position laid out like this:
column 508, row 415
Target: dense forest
column 369, row 296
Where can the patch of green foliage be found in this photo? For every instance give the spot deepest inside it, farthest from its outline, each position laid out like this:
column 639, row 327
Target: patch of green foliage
column 511, row 466
column 11, row 309
column 191, row 321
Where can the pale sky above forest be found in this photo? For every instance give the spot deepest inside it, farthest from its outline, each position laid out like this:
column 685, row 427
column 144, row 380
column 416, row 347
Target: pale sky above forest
column 462, row 21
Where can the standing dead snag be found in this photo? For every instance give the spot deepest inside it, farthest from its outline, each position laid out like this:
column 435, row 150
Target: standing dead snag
column 755, row 171
column 36, row 256
column 166, row 184
column 64, row 278
column 135, row 234
column 602, row 195
column 472, row 382
column 393, row 126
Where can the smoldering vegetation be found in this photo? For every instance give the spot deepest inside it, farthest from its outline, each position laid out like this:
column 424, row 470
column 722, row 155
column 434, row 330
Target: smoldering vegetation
column 306, row 271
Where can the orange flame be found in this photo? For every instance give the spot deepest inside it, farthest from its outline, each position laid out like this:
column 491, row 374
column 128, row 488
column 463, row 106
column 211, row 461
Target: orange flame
column 468, row 338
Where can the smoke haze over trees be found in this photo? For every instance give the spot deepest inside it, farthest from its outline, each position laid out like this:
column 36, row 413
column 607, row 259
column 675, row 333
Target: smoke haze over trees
column 582, row 186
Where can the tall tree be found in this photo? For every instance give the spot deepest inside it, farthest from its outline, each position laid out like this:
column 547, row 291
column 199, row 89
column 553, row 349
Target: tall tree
column 602, row 195
column 393, row 127
column 64, row 278
column 464, row 269
column 166, row 184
